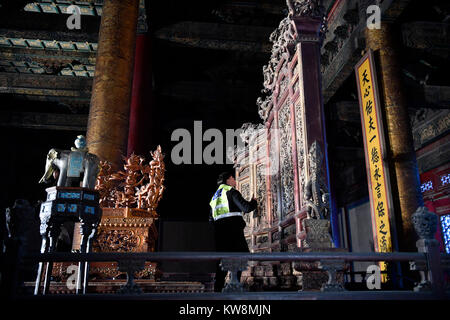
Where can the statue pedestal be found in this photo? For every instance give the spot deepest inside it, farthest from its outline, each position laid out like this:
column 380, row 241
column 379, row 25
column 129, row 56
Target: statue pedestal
column 317, row 234
column 125, row 230
column 315, row 275
column 119, row 230
column 69, row 203
column 65, row 204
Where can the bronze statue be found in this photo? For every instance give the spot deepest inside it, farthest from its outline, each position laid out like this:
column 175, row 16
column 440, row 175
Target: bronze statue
column 71, row 166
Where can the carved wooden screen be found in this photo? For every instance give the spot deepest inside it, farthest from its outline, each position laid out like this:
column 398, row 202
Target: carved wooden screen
column 292, row 112
column 283, row 123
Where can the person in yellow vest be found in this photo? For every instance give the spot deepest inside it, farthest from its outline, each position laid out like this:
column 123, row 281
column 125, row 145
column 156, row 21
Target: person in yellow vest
column 227, row 208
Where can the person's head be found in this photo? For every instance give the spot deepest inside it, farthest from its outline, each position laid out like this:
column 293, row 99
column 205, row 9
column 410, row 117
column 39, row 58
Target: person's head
column 226, row 178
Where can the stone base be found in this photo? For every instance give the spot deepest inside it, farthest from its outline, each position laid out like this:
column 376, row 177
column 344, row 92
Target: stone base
column 317, row 234
column 313, row 278
column 270, row 277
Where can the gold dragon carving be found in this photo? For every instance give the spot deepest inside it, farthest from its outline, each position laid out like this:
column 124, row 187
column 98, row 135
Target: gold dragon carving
column 140, row 185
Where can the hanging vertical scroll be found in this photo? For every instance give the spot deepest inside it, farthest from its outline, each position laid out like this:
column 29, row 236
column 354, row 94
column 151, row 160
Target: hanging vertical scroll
column 375, row 151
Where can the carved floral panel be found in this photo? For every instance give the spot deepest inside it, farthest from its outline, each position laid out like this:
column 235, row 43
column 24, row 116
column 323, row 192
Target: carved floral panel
column 243, row 173
column 274, row 178
column 300, row 138
column 260, row 219
column 287, row 167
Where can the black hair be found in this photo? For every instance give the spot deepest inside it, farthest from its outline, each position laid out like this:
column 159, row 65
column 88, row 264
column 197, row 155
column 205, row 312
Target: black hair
column 223, row 177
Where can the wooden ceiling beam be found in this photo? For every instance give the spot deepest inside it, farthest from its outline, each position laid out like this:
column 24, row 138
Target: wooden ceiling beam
column 348, row 54
column 45, row 81
column 46, row 85
column 218, row 36
column 48, row 121
column 433, row 37
column 74, row 103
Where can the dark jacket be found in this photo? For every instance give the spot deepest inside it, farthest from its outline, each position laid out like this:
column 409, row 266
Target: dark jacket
column 229, row 232
column 237, row 203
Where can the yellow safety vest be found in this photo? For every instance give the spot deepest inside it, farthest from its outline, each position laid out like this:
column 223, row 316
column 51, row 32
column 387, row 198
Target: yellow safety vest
column 219, row 203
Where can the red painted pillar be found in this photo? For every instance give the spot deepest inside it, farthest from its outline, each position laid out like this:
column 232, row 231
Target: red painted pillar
column 141, row 134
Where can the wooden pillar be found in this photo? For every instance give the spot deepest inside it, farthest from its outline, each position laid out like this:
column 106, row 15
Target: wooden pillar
column 402, row 159
column 107, row 130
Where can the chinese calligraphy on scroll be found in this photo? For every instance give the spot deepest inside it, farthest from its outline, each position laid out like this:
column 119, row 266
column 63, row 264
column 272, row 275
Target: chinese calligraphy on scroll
column 374, row 145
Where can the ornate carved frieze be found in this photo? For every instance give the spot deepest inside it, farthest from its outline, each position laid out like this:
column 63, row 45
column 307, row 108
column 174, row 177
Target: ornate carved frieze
column 345, row 21
column 305, row 8
column 128, row 222
column 114, row 240
column 285, row 39
column 310, row 9
column 427, row 124
column 287, row 166
column 264, row 107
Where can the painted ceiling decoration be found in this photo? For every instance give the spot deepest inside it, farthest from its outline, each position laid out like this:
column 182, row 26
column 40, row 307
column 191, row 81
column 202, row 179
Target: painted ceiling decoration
column 48, row 44
column 72, row 69
column 15, row 40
